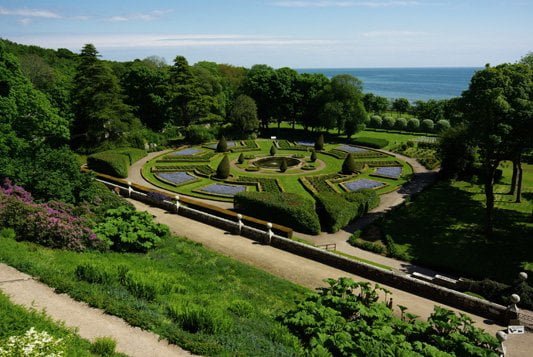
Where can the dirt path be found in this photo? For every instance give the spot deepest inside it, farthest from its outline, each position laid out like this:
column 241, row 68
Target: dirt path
column 91, row 323
column 300, row 270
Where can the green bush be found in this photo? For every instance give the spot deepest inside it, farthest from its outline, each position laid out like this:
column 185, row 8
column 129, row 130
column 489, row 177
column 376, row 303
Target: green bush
column 104, row 346
column 222, row 145
column 194, row 319
column 283, row 166
column 376, row 121
column 240, row 160
column 371, row 142
column 273, row 150
column 128, row 230
column 289, row 209
column 7, row 233
column 348, row 166
column 336, row 210
column 133, row 154
column 223, row 168
column 198, row 134
column 401, row 124
column 413, row 124
column 442, row 125
column 389, row 122
column 427, row 125
column 313, row 156
column 141, row 286
column 109, row 163
column 376, row 247
column 93, row 274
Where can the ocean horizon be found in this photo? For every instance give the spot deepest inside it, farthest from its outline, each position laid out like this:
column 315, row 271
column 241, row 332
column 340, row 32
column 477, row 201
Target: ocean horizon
column 413, row 83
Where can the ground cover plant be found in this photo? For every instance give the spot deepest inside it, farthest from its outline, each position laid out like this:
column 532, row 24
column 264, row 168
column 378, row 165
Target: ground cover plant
column 200, row 300
column 23, row 330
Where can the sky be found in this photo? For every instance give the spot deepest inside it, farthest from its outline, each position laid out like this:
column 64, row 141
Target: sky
column 298, row 34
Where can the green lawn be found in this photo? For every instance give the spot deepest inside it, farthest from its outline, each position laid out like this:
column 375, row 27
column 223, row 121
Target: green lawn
column 443, row 228
column 288, row 180
column 15, row 320
column 200, row 300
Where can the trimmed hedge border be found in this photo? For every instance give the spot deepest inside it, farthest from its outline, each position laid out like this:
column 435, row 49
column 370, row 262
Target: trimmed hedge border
column 115, row 162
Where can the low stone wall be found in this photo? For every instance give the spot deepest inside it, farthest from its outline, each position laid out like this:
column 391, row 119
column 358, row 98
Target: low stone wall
column 397, row 280
column 400, row 281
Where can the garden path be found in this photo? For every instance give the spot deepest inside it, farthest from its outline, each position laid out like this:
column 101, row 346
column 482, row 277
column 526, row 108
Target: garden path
column 90, row 322
column 304, row 271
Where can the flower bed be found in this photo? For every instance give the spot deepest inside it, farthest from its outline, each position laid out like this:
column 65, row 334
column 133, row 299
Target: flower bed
column 203, row 157
column 203, row 170
column 247, row 145
column 219, row 189
column 305, row 143
column 350, row 149
column 213, row 146
column 176, row 178
column 320, row 184
column 186, row 152
column 393, row 172
column 380, row 163
column 361, row 184
column 266, row 184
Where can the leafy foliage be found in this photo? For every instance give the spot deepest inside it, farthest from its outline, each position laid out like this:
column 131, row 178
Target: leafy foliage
column 346, row 318
column 349, row 166
column 127, row 230
column 223, row 168
column 222, row 145
column 288, row 209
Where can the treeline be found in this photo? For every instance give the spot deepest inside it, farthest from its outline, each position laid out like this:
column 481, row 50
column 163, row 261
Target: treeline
column 111, row 104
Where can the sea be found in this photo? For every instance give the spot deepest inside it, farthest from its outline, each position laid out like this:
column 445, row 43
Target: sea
column 411, row 83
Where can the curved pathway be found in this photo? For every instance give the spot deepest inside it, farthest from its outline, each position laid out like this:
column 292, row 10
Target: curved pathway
column 90, row 323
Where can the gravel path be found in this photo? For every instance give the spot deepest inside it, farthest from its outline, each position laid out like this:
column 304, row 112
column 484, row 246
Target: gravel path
column 91, row 323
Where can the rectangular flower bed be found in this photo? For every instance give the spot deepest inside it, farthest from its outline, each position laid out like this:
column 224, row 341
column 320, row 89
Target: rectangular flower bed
column 361, row 184
column 219, row 189
column 175, row 178
column 350, row 149
column 393, row 172
column 186, row 152
column 305, row 143
column 214, row 145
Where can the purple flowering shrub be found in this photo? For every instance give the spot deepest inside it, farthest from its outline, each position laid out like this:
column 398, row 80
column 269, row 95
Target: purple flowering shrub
column 51, row 224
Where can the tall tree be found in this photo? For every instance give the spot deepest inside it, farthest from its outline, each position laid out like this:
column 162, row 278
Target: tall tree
column 310, row 87
column 100, row 113
column 184, row 97
column 498, row 107
column 401, row 105
column 257, row 85
column 243, row 115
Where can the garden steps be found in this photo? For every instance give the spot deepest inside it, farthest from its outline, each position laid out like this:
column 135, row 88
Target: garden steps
column 90, row 323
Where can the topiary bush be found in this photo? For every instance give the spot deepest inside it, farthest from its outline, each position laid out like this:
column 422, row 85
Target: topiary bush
column 348, row 166
column 442, row 125
column 132, row 153
column 389, row 122
column 371, row 142
column 222, row 145
column 336, row 210
column 319, row 143
column 289, row 209
column 413, row 124
column 376, row 121
column 109, row 163
column 223, row 168
column 313, row 156
column 240, row 160
column 401, row 124
column 273, row 150
column 427, row 125
column 283, row 166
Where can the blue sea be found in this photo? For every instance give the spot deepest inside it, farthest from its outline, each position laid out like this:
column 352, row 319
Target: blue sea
column 411, row 83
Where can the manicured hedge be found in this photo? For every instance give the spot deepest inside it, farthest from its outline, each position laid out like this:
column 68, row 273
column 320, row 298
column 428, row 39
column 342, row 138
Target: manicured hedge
column 115, row 162
column 109, row 163
column 289, row 209
column 336, row 211
column 371, row 142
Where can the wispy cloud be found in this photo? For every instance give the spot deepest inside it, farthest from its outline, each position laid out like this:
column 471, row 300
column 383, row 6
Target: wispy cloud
column 26, row 12
column 168, row 41
column 327, row 3
column 152, row 15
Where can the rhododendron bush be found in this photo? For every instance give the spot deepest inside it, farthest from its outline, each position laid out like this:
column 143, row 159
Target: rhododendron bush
column 51, row 224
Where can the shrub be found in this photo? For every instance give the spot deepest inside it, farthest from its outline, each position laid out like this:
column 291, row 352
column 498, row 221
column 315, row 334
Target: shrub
column 128, row 230
column 427, row 125
column 313, row 156
column 222, row 145
column 142, row 287
column 194, row 319
column 376, row 121
column 273, row 150
column 319, row 143
column 7, row 233
column 104, row 346
column 285, row 208
column 52, row 224
column 198, row 134
column 92, row 274
column 389, row 122
column 413, row 124
column 401, row 124
column 283, row 166
column 33, row 343
column 442, row 125
column 223, row 168
column 338, row 210
column 109, row 163
column 133, row 154
column 240, row 160
column 348, row 166
column 376, row 247
column 371, row 142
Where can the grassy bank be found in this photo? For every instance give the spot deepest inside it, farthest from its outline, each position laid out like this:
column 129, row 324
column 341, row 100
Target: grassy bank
column 202, row 301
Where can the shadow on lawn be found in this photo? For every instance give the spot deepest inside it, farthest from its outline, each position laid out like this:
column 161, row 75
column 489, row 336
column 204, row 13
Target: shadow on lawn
column 443, row 228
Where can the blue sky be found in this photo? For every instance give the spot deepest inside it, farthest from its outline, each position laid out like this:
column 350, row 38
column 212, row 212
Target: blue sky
column 299, row 34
